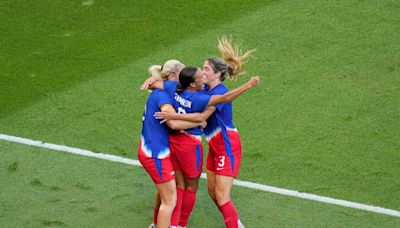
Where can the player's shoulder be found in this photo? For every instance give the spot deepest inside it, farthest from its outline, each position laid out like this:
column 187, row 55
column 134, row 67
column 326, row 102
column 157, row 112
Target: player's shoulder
column 219, row 89
column 160, row 93
column 202, row 94
column 170, row 83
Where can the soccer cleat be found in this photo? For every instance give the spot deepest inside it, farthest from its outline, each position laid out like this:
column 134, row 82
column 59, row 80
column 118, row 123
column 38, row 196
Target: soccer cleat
column 181, row 226
column 153, row 225
column 240, row 224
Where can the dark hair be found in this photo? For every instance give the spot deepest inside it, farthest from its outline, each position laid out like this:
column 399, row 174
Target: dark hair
column 186, row 76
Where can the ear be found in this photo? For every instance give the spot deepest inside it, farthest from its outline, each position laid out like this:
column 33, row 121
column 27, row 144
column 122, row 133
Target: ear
column 218, row 75
column 192, row 84
column 170, row 76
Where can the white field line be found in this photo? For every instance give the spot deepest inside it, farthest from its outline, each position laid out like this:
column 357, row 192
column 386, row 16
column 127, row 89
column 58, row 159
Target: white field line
column 87, row 2
column 246, row 184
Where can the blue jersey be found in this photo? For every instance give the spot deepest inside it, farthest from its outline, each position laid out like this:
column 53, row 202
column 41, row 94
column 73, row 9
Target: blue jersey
column 221, row 119
column 187, row 102
column 155, row 136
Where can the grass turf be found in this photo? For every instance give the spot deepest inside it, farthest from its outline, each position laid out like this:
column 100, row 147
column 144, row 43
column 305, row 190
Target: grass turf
column 42, row 188
column 324, row 120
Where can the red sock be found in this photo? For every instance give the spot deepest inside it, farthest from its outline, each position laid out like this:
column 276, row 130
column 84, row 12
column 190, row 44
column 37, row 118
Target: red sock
column 231, row 217
column 189, row 199
column 155, row 214
column 177, row 211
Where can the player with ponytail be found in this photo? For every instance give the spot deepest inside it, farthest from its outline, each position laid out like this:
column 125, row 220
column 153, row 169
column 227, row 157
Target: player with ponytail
column 154, row 152
column 225, row 150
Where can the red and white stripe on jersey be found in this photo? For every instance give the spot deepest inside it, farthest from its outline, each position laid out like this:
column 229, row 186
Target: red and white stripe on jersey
column 188, row 138
column 146, row 151
column 217, row 131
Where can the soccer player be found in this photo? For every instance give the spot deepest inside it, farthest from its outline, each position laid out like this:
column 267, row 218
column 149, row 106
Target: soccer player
column 225, row 150
column 186, row 146
column 169, row 72
column 154, row 152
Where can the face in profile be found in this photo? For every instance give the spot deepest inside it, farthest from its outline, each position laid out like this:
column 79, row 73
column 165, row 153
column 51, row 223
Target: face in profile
column 199, row 80
column 208, row 72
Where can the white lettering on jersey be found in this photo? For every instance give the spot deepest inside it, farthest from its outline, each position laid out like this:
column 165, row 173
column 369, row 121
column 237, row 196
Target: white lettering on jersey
column 182, row 101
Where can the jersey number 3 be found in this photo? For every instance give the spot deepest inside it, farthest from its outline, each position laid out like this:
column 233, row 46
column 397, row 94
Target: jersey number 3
column 221, row 162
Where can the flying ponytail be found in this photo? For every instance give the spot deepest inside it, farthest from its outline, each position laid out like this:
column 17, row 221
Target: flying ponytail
column 231, row 62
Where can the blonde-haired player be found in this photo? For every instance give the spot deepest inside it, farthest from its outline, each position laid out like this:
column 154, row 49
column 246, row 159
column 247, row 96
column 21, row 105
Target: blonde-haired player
column 225, row 150
column 153, row 152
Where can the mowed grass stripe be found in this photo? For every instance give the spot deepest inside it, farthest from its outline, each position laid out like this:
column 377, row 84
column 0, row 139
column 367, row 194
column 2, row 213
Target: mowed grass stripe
column 49, row 46
column 246, row 184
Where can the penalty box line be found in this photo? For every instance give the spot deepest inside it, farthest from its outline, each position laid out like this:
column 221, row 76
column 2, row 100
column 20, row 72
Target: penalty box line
column 251, row 185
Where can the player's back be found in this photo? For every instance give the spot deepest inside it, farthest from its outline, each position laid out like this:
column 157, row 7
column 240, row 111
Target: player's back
column 187, row 102
column 155, row 135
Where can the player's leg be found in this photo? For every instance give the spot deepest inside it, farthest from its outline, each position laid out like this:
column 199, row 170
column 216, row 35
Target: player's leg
column 227, row 165
column 191, row 160
column 180, row 189
column 156, row 206
column 223, row 186
column 163, row 176
column 167, row 192
column 210, row 171
column 211, row 185
column 189, row 200
column 180, row 182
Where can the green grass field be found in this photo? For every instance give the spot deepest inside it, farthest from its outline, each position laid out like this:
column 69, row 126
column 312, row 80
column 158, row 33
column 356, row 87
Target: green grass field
column 324, row 120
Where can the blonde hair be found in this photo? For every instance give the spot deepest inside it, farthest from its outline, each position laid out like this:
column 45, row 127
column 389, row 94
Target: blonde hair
column 161, row 72
column 232, row 60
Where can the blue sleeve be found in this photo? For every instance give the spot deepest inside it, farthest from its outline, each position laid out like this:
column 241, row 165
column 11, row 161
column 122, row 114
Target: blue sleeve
column 219, row 90
column 202, row 101
column 170, row 87
column 163, row 98
column 220, row 106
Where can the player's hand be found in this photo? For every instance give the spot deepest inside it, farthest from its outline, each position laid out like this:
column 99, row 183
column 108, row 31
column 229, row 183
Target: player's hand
column 146, row 84
column 203, row 124
column 254, row 81
column 164, row 116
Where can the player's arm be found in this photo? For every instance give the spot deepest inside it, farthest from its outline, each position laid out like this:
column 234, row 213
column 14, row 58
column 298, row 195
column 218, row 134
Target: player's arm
column 233, row 94
column 179, row 124
column 197, row 117
column 151, row 84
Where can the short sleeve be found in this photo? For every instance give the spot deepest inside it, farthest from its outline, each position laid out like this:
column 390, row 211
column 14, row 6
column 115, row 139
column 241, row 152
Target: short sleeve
column 219, row 107
column 203, row 100
column 170, row 87
column 163, row 98
column 219, row 90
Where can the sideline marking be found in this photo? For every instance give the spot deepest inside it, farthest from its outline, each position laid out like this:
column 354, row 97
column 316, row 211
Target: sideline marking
column 87, row 2
column 246, row 184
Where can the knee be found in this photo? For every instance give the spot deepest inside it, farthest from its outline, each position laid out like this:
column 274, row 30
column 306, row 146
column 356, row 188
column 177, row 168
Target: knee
column 168, row 206
column 191, row 185
column 192, row 188
column 180, row 185
column 211, row 192
column 170, row 201
column 221, row 197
